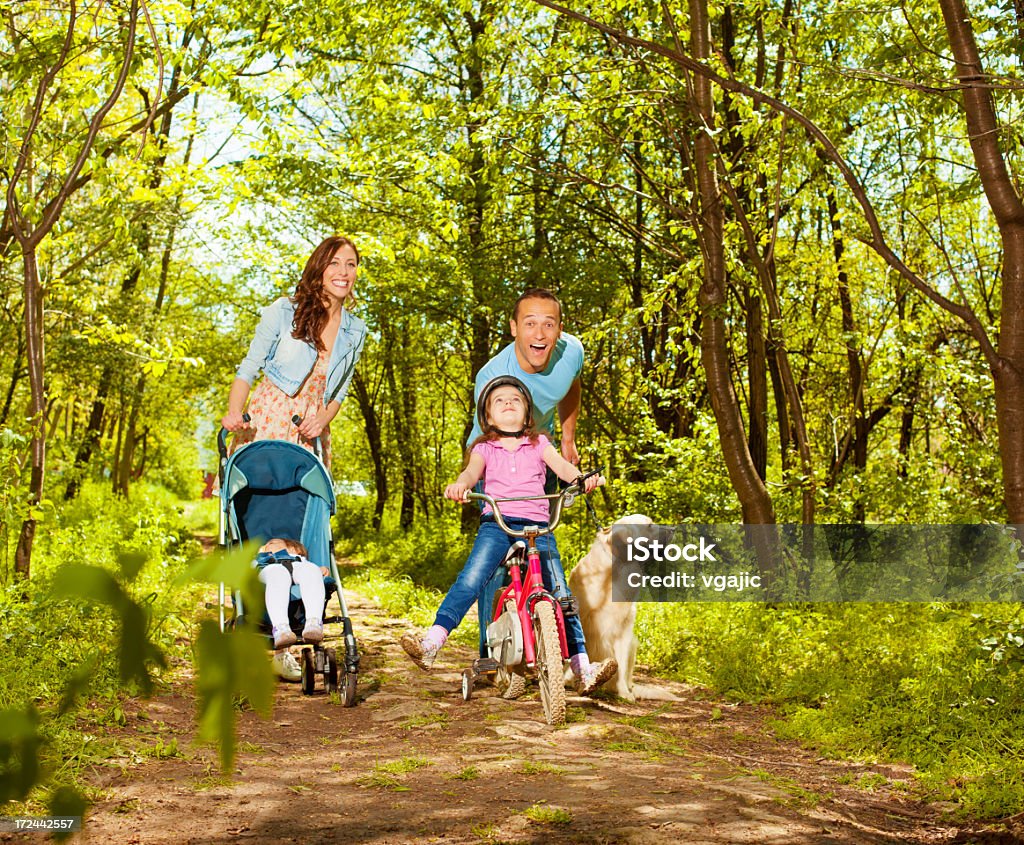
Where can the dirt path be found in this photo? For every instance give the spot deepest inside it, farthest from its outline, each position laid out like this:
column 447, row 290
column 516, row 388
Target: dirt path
column 414, row 763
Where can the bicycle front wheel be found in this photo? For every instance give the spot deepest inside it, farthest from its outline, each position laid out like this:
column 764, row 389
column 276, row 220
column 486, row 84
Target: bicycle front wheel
column 549, row 663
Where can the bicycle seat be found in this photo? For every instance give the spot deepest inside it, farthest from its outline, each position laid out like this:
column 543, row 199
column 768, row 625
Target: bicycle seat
column 515, row 550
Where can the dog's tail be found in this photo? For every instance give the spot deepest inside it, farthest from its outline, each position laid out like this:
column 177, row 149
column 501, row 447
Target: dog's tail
column 652, row 693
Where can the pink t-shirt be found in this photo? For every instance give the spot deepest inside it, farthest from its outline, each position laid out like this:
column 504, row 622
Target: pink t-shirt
column 518, row 473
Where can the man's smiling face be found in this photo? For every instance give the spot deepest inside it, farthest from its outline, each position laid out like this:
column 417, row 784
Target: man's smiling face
column 536, row 327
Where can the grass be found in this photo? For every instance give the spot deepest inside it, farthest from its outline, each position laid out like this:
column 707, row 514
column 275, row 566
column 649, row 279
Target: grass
column 425, row 720
column 528, row 767
column 385, row 775
column 546, row 814
column 61, row 657
column 934, row 685
column 800, row 798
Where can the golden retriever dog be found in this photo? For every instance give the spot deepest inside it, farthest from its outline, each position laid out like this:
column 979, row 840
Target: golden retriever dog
column 608, row 625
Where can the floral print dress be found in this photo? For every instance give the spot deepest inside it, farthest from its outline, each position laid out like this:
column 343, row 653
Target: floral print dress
column 271, row 411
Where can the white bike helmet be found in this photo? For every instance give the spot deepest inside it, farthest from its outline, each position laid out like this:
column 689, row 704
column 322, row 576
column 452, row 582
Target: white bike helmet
column 489, row 388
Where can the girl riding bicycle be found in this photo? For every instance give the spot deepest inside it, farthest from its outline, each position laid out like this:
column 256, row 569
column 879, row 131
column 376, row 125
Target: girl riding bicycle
column 511, row 457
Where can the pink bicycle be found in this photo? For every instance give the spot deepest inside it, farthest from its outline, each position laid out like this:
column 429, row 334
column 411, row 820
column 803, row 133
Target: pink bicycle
column 527, row 635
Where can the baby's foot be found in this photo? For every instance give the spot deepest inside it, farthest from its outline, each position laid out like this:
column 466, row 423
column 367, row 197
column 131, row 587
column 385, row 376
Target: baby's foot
column 313, row 633
column 422, row 652
column 283, row 636
column 594, row 675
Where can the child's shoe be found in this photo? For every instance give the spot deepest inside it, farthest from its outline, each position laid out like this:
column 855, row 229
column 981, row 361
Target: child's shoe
column 286, row 667
column 594, row 675
column 283, row 636
column 313, row 633
column 422, row 652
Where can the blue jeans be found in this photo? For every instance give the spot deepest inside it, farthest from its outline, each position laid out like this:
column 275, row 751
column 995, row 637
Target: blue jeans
column 484, row 561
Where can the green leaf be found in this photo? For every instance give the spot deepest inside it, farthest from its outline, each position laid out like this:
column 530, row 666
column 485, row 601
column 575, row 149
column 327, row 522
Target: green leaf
column 229, row 664
column 131, row 564
column 65, row 802
column 234, row 568
column 135, row 650
column 88, row 582
column 19, row 753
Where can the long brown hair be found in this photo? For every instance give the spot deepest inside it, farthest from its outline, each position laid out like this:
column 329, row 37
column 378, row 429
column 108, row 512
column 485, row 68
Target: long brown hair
column 310, row 309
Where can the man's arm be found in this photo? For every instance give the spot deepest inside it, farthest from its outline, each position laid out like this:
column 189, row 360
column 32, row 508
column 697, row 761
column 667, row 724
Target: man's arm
column 568, row 411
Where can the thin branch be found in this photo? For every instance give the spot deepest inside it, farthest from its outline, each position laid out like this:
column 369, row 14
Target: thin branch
column 55, row 207
column 37, row 115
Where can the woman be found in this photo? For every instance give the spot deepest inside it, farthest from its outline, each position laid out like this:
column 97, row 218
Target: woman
column 307, row 346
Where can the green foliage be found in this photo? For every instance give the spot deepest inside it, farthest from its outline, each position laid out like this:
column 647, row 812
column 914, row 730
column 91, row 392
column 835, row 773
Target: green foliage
column 230, row 664
column 94, row 624
column 935, row 685
column 96, row 585
column 19, row 753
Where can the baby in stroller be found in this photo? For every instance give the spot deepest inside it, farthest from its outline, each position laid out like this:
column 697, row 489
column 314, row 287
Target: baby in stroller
column 282, row 563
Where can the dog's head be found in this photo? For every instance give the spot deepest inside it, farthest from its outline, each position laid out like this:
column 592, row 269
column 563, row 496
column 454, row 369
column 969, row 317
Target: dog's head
column 604, row 536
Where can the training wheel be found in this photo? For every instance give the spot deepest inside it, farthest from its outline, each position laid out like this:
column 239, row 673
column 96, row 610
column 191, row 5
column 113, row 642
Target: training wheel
column 467, row 684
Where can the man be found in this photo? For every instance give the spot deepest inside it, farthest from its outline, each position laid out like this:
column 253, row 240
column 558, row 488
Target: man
column 549, row 363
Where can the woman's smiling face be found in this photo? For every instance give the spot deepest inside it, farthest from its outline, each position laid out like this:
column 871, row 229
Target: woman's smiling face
column 340, row 275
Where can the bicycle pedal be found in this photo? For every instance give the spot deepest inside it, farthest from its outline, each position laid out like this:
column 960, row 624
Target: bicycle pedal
column 483, row 665
column 569, row 605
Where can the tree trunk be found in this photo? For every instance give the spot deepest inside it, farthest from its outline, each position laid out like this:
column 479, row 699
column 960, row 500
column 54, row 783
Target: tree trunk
column 476, row 207
column 755, row 502
column 757, row 384
column 1000, row 189
column 18, row 372
column 854, row 361
column 371, row 423
column 34, row 349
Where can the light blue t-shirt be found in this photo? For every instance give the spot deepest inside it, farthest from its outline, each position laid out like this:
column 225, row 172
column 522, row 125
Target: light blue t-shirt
column 548, row 387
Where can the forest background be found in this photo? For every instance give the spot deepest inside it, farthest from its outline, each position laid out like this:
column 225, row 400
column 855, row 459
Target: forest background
column 790, row 237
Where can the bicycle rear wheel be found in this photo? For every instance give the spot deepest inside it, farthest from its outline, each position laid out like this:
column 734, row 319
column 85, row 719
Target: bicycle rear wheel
column 549, row 663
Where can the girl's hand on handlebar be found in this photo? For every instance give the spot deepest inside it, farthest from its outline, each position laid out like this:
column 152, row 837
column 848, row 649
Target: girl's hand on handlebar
column 234, row 421
column 457, row 492
column 593, row 482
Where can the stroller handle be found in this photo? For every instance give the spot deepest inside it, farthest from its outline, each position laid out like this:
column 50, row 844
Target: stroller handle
column 222, row 441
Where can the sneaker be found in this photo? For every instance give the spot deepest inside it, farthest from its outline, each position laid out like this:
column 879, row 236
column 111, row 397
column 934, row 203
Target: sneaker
column 286, row 667
column 283, row 636
column 594, row 675
column 313, row 633
column 422, row 654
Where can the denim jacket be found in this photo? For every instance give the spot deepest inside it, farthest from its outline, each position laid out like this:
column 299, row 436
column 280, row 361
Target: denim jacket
column 287, row 361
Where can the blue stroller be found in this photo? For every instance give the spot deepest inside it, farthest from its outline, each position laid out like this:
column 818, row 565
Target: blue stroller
column 273, row 488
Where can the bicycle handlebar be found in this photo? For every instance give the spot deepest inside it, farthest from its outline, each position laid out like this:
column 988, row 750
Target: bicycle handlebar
column 569, row 493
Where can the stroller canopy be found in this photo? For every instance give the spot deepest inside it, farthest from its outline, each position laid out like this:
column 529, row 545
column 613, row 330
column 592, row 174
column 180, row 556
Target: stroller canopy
column 273, row 488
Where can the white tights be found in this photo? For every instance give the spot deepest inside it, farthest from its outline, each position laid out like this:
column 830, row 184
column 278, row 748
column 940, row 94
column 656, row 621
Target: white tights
column 279, row 584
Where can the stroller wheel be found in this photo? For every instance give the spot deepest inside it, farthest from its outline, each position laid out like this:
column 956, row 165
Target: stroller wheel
column 330, row 670
column 308, row 672
column 348, row 691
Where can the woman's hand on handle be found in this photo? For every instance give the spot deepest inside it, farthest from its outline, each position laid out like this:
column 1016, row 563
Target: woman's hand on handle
column 313, row 425
column 235, row 421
